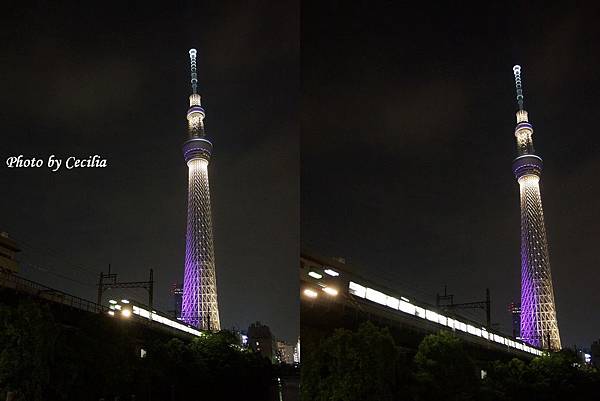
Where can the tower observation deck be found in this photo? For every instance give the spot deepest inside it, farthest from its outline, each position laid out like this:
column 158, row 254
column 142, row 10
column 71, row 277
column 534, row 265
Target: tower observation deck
column 199, row 302
column 539, row 326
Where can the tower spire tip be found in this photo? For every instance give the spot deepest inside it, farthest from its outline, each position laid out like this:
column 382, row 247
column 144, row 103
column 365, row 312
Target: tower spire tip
column 194, row 79
column 519, row 85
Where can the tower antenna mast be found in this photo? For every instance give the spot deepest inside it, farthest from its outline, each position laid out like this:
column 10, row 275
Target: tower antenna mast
column 194, row 79
column 519, row 85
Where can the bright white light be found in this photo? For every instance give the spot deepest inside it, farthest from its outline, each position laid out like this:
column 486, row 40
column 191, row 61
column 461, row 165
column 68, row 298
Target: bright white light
column 162, row 320
column 376, row 296
column 330, row 291
column 420, row 312
column 522, row 116
column 112, row 301
column 125, row 301
column 332, row 273
column 392, row 302
column 118, row 307
column 112, row 307
column 529, row 180
column 310, row 293
column 431, row 315
column 197, row 164
column 194, row 99
column 126, row 313
column 112, row 313
column 407, row 307
column 141, row 312
column 473, row 330
column 404, row 299
column 357, row 289
column 315, row 275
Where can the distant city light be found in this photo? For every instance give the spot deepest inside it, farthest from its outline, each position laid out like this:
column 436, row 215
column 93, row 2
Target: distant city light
column 118, row 307
column 125, row 301
column 331, row 272
column 330, row 291
column 587, row 358
column 297, row 352
column 315, row 275
column 112, row 313
column 126, row 313
column 310, row 293
column 112, row 301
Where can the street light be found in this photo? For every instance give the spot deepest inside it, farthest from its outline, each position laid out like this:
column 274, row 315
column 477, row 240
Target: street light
column 315, row 275
column 126, row 313
column 310, row 293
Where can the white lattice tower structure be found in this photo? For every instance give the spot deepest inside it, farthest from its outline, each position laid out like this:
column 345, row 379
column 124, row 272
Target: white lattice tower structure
column 539, row 326
column 199, row 306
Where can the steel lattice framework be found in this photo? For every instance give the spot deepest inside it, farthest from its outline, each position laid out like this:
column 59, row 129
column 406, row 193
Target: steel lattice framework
column 539, row 326
column 199, row 302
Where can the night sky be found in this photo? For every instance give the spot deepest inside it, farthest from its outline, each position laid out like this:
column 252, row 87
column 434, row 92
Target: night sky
column 407, row 143
column 78, row 81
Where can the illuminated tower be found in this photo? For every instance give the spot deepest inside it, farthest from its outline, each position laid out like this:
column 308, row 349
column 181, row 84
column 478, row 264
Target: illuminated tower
column 199, row 304
column 538, row 313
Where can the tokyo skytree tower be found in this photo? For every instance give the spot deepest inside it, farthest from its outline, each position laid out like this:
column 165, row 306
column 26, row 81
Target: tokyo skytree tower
column 199, row 304
column 538, row 312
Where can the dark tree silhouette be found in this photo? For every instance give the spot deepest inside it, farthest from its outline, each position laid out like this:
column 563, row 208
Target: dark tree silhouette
column 353, row 366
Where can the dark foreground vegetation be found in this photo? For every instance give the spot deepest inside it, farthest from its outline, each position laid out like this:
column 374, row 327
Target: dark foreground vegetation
column 366, row 364
column 45, row 355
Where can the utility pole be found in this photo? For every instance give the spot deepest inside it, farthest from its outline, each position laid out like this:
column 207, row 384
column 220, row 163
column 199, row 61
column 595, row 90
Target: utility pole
column 488, row 309
column 151, row 289
column 485, row 305
column 109, row 281
column 444, row 297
